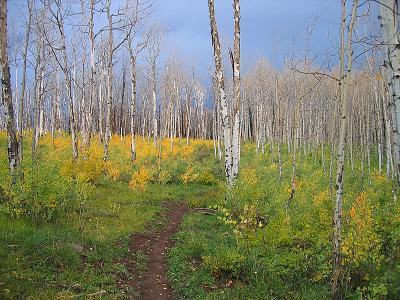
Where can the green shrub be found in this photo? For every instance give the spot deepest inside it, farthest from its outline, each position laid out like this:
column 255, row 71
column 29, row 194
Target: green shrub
column 225, row 263
column 42, row 194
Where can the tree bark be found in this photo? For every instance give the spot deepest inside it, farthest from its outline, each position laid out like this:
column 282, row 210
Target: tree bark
column 109, row 81
column 12, row 142
column 221, row 91
column 133, row 107
column 345, row 50
column 389, row 23
column 23, row 85
column 236, row 92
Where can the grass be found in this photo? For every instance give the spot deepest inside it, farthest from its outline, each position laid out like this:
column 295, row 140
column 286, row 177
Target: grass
column 227, row 255
column 65, row 231
column 202, row 235
column 79, row 254
column 191, row 279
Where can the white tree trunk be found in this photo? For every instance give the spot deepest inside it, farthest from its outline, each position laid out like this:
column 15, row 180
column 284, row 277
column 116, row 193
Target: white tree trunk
column 344, row 79
column 389, row 20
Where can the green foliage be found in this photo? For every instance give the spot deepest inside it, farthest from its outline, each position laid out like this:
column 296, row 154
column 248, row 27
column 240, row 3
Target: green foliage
column 225, row 263
column 280, row 253
column 42, row 193
column 65, row 228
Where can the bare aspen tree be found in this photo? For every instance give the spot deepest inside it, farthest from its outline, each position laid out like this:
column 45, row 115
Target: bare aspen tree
column 226, row 124
column 388, row 131
column 38, row 90
column 153, row 53
column 12, row 142
column 107, row 134
column 189, row 94
column 122, row 23
column 57, row 17
column 389, row 22
column 236, row 92
column 87, row 109
column 138, row 14
column 279, row 125
column 344, row 78
column 133, row 99
column 23, row 84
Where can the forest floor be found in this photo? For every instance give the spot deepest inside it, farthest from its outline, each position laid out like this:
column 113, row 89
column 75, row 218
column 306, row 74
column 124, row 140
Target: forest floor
column 153, row 284
column 169, row 229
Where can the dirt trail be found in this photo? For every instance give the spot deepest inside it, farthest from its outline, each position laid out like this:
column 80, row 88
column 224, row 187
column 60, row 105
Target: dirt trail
column 153, row 284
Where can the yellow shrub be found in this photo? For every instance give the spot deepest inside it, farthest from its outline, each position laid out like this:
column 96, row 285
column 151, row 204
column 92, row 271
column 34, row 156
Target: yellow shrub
column 321, row 198
column 90, row 171
column 361, row 244
column 164, row 177
column 112, row 171
column 189, row 176
column 379, row 177
column 206, row 177
column 68, row 169
column 140, row 179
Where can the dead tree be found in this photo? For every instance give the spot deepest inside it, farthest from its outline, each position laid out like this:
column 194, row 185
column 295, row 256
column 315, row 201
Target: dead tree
column 231, row 135
column 389, row 22
column 23, row 85
column 139, row 13
column 344, row 78
column 153, row 53
column 235, row 57
column 12, row 142
column 114, row 24
column 57, row 17
column 221, row 92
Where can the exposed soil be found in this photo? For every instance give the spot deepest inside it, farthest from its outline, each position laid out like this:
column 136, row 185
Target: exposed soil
column 153, row 284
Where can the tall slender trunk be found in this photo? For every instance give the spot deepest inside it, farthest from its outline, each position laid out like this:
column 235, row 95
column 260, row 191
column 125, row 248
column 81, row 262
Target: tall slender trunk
column 236, row 92
column 345, row 51
column 388, row 132
column 36, row 104
column 221, row 91
column 389, row 21
column 133, row 107
column 107, row 136
column 23, row 84
column 154, row 97
column 71, row 109
column 12, row 142
column 88, row 111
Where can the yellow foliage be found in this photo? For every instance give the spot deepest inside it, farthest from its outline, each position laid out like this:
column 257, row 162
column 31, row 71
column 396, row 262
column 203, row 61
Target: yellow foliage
column 112, row 170
column 68, row 169
column 250, row 177
column 321, row 198
column 378, row 176
column 164, row 177
column 140, row 179
column 189, row 176
column 58, row 143
column 273, row 166
column 361, row 243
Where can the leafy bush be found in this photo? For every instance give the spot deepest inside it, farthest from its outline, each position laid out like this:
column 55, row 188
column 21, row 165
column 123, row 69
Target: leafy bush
column 200, row 152
column 42, row 194
column 189, row 176
column 164, row 177
column 225, row 263
column 140, row 179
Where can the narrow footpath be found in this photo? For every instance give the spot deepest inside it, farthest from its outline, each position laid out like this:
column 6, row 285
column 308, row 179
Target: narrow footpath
column 153, row 284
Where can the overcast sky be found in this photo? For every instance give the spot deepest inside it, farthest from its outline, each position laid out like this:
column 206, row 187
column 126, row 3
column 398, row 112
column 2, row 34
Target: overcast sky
column 268, row 27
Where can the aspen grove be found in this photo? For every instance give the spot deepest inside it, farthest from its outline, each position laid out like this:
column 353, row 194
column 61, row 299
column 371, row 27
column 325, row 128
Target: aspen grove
column 131, row 171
